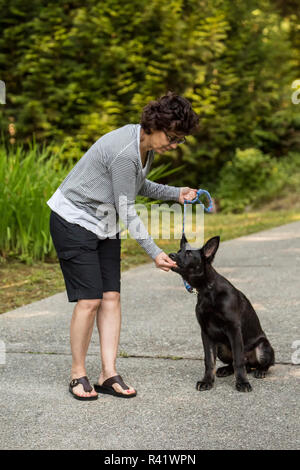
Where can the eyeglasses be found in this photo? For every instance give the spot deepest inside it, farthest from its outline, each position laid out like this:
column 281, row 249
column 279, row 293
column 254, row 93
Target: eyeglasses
column 175, row 140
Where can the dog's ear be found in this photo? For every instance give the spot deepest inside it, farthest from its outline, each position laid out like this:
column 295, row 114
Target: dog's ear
column 183, row 241
column 210, row 248
column 184, row 244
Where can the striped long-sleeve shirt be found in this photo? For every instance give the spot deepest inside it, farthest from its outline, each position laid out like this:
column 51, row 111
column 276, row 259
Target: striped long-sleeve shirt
column 111, row 173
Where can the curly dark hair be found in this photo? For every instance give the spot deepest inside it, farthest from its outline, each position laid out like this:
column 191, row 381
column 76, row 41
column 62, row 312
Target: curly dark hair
column 172, row 113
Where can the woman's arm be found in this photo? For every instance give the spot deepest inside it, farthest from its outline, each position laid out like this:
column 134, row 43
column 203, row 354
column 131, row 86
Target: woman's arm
column 162, row 192
column 123, row 175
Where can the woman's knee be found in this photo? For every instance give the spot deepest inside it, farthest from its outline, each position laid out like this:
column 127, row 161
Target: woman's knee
column 113, row 296
column 90, row 305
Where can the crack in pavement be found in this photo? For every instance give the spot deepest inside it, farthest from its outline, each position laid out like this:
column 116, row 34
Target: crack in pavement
column 135, row 356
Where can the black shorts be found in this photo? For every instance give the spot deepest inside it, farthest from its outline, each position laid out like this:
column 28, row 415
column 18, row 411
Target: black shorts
column 90, row 266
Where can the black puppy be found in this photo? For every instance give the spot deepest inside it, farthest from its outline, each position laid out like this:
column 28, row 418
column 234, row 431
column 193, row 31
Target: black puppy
column 230, row 327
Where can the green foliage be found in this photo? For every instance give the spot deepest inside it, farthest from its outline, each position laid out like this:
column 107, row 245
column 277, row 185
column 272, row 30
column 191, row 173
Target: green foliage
column 76, row 70
column 253, row 177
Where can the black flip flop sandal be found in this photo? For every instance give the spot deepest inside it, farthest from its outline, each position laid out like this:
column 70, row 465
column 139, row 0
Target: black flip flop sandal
column 107, row 388
column 84, row 381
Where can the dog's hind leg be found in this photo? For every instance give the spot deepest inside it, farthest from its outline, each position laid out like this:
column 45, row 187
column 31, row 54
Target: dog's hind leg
column 265, row 358
column 225, row 355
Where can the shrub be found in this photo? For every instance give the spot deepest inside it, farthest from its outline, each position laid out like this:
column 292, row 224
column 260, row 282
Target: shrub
column 253, row 177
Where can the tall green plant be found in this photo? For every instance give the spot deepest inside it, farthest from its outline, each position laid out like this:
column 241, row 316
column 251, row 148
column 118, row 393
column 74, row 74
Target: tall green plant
column 27, row 179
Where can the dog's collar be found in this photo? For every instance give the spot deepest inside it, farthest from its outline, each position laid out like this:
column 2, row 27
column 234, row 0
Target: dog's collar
column 191, row 290
column 188, row 287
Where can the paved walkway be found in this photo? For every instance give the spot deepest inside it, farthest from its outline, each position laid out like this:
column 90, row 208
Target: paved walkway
column 162, row 356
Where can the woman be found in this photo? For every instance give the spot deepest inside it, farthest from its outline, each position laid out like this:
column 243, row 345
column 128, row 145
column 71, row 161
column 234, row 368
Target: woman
column 111, row 174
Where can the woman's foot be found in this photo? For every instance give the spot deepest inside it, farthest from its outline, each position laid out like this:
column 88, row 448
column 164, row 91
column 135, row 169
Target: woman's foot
column 117, row 387
column 79, row 389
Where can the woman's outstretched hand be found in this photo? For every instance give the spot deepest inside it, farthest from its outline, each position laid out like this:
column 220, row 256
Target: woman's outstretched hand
column 163, row 262
column 187, row 194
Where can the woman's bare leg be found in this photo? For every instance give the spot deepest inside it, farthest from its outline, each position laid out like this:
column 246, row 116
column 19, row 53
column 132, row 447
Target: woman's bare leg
column 109, row 326
column 81, row 329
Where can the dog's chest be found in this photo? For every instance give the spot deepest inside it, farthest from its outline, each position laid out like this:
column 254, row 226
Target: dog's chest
column 210, row 318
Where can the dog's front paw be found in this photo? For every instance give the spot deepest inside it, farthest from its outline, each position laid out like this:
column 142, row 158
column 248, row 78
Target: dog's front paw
column 204, row 386
column 243, row 387
column 259, row 374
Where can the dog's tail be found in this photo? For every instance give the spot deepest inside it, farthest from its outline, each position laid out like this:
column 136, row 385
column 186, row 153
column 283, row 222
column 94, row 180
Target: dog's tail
column 264, row 352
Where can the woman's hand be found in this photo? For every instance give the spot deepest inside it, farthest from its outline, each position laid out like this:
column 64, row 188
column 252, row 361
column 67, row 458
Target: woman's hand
column 163, row 262
column 187, row 194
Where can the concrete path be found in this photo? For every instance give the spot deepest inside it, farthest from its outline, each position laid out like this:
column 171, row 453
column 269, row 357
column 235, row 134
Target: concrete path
column 162, row 356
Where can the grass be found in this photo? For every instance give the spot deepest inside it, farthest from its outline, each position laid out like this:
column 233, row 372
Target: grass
column 22, row 284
